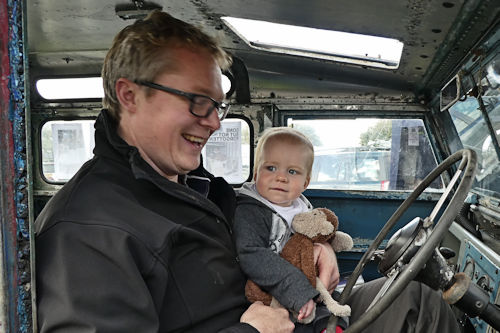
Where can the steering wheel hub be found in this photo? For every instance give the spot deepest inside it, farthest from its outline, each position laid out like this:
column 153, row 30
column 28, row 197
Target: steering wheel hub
column 401, row 245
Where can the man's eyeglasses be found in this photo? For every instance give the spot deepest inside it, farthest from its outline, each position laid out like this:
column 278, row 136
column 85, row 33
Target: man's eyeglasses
column 200, row 105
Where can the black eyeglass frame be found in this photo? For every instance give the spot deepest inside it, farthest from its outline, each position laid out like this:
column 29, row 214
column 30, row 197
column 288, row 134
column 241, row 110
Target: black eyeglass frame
column 222, row 108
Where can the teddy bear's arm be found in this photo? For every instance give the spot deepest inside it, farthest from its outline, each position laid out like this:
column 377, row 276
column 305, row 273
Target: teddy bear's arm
column 254, row 293
column 342, row 242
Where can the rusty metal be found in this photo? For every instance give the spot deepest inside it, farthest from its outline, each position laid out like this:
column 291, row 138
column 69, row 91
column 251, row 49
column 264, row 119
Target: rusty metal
column 16, row 269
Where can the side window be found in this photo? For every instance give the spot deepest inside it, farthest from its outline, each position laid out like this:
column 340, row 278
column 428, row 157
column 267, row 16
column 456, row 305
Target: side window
column 67, row 144
column 472, row 127
column 227, row 152
column 368, row 153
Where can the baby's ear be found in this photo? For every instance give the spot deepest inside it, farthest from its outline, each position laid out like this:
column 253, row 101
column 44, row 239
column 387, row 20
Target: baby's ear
column 306, row 184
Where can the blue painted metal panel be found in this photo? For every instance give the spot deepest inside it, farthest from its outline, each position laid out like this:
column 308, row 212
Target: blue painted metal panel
column 362, row 215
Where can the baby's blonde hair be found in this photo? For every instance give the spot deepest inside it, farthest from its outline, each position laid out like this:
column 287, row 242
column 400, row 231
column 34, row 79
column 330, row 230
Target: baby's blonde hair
column 283, row 134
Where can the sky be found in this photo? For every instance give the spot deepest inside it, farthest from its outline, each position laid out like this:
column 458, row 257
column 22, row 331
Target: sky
column 339, row 133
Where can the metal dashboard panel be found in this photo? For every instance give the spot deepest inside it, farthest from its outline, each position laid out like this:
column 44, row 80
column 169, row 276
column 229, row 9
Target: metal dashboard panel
column 482, row 265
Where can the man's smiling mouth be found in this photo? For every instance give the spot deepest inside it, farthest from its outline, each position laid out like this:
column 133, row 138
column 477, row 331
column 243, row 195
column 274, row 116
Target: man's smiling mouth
column 194, row 139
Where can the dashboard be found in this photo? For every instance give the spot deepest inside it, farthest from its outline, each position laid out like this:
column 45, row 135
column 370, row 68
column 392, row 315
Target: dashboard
column 482, row 265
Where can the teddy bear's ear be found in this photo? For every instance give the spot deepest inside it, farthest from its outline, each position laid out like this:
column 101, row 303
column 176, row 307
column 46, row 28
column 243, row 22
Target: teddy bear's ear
column 299, row 222
column 330, row 216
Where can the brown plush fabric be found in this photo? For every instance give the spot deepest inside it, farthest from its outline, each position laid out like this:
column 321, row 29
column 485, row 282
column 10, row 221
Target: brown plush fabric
column 299, row 250
column 254, row 293
column 330, row 216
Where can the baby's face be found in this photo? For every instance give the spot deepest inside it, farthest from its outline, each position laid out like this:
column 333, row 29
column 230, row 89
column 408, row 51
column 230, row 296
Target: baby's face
column 282, row 175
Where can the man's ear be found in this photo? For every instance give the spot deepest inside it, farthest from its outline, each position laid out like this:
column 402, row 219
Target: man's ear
column 126, row 92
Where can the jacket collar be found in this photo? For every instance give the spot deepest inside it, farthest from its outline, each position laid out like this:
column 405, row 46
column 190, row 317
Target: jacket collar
column 110, row 145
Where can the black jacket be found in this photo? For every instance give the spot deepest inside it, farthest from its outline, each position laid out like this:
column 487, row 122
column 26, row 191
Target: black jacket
column 121, row 249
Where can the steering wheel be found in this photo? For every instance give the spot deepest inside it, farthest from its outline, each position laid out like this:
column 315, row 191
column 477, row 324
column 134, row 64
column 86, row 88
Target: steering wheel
column 403, row 274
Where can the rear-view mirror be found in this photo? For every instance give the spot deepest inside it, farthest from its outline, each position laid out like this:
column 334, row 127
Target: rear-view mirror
column 450, row 93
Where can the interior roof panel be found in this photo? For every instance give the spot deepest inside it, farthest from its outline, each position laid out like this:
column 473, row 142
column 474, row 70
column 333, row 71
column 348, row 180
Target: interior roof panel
column 75, row 34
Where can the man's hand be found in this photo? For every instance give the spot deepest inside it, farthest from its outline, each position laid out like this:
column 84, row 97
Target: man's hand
column 326, row 261
column 266, row 319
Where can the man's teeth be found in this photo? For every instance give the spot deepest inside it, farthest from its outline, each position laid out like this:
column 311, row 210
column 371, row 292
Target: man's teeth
column 194, row 139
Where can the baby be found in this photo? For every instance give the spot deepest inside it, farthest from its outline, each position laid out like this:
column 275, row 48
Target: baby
column 265, row 210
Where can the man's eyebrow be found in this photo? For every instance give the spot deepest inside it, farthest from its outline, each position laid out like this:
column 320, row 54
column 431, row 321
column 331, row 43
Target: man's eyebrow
column 204, row 91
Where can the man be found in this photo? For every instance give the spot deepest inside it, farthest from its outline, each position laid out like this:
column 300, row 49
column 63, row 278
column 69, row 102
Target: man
column 125, row 245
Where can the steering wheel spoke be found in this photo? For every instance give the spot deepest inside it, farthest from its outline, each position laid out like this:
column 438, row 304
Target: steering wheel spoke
column 388, row 282
column 445, row 195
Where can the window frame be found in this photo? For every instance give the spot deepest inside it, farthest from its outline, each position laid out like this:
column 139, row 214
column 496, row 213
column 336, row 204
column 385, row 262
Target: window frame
column 39, row 146
column 396, row 111
column 75, row 115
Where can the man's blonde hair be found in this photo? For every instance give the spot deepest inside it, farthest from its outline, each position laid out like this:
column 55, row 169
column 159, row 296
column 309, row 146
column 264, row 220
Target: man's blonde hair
column 283, row 134
column 141, row 52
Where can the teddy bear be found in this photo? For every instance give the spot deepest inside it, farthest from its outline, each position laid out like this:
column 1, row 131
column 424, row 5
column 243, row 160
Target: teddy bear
column 316, row 226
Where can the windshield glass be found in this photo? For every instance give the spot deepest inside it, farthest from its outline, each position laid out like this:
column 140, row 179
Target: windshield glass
column 473, row 130
column 373, row 154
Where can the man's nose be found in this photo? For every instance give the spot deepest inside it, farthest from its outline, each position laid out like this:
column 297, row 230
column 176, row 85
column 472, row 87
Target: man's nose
column 212, row 121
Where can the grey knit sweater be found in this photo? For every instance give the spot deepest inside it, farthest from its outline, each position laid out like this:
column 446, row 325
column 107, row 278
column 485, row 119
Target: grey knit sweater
column 260, row 234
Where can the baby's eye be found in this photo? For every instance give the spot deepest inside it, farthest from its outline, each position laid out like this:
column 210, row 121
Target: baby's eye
column 270, row 168
column 293, row 172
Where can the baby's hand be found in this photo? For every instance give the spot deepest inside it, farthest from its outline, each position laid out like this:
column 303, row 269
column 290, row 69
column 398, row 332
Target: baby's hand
column 306, row 310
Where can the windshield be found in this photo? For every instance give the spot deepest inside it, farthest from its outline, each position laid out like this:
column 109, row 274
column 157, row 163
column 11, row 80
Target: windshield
column 473, row 130
column 374, row 154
